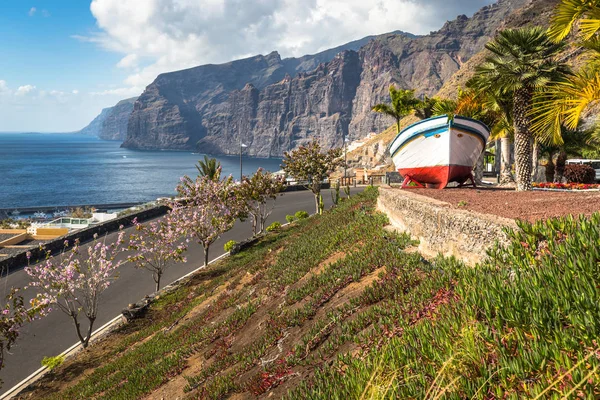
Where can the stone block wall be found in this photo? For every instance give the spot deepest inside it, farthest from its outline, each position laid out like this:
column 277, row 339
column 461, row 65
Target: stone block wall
column 440, row 228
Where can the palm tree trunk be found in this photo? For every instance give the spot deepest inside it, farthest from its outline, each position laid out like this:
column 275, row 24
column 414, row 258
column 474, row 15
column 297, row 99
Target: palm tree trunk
column 550, row 169
column 523, row 151
column 535, row 160
column 498, row 155
column 506, row 175
column 561, row 161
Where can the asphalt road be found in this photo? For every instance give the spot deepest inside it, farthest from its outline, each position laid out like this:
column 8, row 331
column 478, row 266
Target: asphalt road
column 55, row 333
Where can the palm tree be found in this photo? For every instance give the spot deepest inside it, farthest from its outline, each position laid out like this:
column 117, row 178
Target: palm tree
column 210, row 168
column 403, row 103
column 425, row 108
column 521, row 62
column 565, row 101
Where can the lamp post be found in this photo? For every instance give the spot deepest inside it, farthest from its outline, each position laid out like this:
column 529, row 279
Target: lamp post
column 242, row 145
column 345, row 158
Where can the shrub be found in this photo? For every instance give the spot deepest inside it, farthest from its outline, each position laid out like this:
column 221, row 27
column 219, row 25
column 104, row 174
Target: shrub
column 579, row 173
column 301, row 215
column 53, row 362
column 290, row 218
column 274, row 227
column 229, row 245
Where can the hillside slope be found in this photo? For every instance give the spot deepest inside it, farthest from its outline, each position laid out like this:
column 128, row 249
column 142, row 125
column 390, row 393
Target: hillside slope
column 338, row 307
column 274, row 108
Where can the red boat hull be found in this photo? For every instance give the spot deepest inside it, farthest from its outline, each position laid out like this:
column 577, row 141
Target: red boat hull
column 439, row 176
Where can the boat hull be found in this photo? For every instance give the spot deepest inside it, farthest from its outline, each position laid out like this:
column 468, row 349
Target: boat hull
column 437, row 151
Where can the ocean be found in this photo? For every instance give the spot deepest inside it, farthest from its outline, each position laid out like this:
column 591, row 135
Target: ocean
column 60, row 170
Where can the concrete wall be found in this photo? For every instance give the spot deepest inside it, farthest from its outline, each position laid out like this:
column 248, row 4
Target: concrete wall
column 439, row 228
column 20, row 260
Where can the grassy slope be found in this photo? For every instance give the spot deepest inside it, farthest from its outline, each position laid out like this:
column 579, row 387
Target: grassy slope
column 334, row 308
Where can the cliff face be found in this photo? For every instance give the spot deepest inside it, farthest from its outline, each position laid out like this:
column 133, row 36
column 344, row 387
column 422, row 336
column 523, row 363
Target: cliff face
column 114, row 126
column 532, row 13
column 111, row 123
column 275, row 105
column 95, row 127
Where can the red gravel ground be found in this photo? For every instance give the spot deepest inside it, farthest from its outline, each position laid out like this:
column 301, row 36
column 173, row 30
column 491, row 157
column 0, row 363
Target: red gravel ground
column 531, row 206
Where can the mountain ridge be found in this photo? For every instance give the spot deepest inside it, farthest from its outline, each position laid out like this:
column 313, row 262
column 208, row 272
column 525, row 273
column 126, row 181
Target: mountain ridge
column 210, row 109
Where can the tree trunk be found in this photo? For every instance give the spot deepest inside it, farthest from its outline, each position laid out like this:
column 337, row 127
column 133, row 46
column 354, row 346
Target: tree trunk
column 561, row 161
column 478, row 169
column 523, row 151
column 157, row 277
column 550, row 168
column 535, row 161
column 206, row 247
column 506, row 175
column 498, row 155
column 89, row 333
column 78, row 329
column 254, row 224
column 317, row 203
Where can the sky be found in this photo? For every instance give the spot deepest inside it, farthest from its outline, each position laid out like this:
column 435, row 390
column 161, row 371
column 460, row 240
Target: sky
column 62, row 61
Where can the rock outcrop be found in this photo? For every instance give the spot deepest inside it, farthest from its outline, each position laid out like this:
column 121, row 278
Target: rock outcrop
column 275, row 105
column 111, row 123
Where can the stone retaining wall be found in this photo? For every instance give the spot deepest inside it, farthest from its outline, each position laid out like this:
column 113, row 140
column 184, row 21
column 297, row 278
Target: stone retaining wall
column 20, row 260
column 440, row 228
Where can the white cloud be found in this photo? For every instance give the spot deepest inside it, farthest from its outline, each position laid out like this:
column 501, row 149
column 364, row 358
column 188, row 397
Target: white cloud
column 32, row 11
column 177, row 34
column 129, row 61
column 25, row 90
column 3, row 87
column 28, row 108
column 122, row 92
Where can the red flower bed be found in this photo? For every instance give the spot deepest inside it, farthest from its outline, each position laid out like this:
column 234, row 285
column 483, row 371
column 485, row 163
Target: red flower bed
column 566, row 186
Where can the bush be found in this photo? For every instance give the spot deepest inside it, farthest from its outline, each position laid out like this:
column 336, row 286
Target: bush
column 579, row 173
column 53, row 362
column 229, row 245
column 290, row 218
column 274, row 227
column 301, row 215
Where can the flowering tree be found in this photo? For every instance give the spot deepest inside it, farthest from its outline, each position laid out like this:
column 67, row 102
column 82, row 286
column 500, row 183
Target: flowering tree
column 257, row 191
column 308, row 164
column 207, row 209
column 156, row 247
column 75, row 283
column 12, row 317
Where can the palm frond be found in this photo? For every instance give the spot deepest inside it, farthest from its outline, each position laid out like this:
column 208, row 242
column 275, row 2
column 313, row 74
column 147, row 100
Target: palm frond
column 566, row 13
column 588, row 28
column 563, row 104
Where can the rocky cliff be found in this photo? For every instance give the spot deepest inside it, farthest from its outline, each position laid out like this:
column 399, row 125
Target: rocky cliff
column 111, row 123
column 532, row 13
column 275, row 105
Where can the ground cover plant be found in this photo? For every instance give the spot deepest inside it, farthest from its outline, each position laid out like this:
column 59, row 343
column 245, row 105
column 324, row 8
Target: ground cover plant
column 363, row 317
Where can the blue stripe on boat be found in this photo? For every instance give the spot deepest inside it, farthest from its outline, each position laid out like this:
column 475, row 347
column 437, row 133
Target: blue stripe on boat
column 435, row 130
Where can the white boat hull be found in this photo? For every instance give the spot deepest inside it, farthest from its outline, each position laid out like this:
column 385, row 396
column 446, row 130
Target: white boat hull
column 437, row 151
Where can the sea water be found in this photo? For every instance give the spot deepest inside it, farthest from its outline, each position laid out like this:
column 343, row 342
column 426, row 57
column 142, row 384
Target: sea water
column 66, row 169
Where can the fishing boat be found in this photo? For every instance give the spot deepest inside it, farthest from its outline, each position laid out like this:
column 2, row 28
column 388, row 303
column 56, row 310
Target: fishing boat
column 436, row 151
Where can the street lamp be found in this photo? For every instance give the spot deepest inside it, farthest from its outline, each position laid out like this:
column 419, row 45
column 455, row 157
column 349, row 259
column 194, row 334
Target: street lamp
column 345, row 158
column 242, row 145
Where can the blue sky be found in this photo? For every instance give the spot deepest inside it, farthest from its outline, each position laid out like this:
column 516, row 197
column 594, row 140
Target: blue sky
column 62, row 61
column 40, row 48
